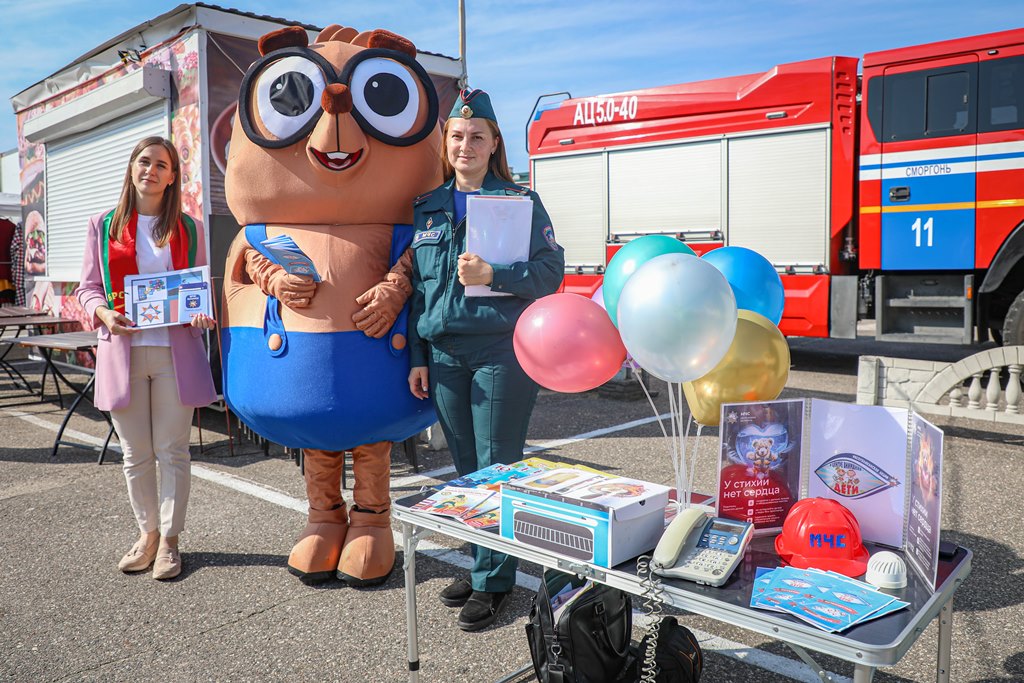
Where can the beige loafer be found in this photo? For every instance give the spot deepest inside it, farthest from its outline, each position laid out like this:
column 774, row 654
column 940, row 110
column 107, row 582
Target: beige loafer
column 167, row 564
column 139, row 557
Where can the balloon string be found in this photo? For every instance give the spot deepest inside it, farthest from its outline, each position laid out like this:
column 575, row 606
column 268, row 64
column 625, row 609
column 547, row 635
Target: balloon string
column 696, row 449
column 661, row 423
column 674, row 441
column 683, row 434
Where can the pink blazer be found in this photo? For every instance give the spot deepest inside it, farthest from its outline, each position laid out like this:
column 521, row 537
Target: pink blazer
column 113, row 352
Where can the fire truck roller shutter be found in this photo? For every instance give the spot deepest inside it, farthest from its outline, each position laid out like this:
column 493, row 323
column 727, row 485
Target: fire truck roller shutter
column 663, row 189
column 779, row 196
column 573, row 189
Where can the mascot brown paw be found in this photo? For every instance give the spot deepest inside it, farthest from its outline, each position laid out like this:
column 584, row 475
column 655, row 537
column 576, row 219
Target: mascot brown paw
column 369, row 553
column 316, row 554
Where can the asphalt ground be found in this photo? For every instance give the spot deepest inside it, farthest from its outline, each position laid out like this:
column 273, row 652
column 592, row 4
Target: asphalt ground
column 236, row 614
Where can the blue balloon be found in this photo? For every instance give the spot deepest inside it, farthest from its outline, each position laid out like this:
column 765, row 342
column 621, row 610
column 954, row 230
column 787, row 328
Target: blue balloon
column 753, row 279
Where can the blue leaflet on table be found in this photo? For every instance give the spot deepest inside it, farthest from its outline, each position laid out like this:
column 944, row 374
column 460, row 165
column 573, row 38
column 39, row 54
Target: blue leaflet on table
column 829, row 601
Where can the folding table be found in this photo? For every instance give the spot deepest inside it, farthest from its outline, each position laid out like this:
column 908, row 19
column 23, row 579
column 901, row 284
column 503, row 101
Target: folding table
column 870, row 645
column 69, row 341
column 19, row 324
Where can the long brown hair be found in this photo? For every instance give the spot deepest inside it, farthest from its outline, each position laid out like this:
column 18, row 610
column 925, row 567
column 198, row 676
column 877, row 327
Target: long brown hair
column 170, row 209
column 497, row 164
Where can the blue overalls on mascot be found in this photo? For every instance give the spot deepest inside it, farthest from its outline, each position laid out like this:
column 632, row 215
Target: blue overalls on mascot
column 331, row 143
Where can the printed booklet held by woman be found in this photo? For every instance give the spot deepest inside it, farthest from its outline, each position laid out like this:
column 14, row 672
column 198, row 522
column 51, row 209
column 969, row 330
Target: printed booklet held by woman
column 168, row 298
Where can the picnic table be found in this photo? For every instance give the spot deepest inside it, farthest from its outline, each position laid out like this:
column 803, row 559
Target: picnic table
column 18, row 324
column 69, row 341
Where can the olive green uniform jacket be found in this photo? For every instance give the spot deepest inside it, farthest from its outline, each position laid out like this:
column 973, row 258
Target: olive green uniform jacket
column 440, row 309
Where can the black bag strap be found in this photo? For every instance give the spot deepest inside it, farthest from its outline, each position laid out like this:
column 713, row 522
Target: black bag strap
column 602, row 615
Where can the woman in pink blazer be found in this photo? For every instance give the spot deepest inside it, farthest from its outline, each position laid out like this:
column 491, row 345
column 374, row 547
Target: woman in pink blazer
column 150, row 380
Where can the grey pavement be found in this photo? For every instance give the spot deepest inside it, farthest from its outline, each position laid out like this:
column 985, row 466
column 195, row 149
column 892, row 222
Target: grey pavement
column 236, row 614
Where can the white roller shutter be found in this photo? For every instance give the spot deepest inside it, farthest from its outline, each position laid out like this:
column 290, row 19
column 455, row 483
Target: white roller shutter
column 84, row 175
column 666, row 189
column 573, row 190
column 779, row 196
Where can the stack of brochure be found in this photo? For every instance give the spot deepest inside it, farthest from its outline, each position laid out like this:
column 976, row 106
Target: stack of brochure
column 832, row 602
column 474, row 507
column 585, row 484
column 475, row 499
column 290, row 257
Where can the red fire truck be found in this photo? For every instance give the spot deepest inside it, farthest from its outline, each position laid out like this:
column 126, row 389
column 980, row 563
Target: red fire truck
column 897, row 194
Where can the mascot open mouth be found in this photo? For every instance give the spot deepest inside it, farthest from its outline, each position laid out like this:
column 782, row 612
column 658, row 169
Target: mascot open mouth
column 337, row 161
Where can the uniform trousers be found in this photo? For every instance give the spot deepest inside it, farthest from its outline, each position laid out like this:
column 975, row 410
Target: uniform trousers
column 154, row 430
column 483, row 401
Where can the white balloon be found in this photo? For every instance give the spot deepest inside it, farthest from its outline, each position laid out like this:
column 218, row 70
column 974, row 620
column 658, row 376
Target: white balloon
column 677, row 317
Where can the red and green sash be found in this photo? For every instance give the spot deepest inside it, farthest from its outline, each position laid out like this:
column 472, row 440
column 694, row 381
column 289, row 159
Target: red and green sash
column 119, row 256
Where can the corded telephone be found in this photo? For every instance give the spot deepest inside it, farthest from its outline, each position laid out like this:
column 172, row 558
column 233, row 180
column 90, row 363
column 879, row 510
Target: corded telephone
column 700, row 548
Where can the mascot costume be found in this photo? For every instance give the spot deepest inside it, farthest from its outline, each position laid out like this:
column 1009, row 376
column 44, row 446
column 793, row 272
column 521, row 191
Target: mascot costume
column 331, row 143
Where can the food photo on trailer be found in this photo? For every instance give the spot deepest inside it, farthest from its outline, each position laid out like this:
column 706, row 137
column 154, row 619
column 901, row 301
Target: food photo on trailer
column 823, row 530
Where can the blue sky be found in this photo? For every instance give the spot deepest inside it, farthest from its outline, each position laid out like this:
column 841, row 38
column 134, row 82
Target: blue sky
column 519, row 50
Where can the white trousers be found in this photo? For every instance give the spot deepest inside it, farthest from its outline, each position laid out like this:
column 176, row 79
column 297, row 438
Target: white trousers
column 155, row 430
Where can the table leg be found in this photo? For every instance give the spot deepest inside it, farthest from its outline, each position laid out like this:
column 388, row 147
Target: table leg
column 518, row 674
column 48, row 367
column 863, row 673
column 11, row 371
column 67, row 417
column 820, row 671
column 945, row 642
column 103, row 451
column 59, row 377
column 409, row 541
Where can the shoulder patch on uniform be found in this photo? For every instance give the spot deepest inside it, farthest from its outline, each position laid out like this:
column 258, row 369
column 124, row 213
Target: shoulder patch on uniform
column 426, row 237
column 422, row 198
column 549, row 237
column 509, row 191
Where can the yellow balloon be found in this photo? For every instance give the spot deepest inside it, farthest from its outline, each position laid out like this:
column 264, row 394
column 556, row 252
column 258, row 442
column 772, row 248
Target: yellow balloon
column 755, row 368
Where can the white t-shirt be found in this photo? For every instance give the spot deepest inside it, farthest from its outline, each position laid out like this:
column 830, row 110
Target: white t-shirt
column 151, row 259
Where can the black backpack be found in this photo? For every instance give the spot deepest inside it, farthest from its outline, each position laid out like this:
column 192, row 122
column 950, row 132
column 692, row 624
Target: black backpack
column 678, row 656
column 588, row 642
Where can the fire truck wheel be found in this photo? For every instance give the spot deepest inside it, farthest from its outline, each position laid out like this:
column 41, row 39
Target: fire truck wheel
column 1013, row 323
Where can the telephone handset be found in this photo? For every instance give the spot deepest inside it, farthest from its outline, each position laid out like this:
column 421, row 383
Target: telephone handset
column 700, row 548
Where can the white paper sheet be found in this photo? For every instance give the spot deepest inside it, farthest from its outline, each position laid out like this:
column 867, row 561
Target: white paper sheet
column 859, row 457
column 498, row 230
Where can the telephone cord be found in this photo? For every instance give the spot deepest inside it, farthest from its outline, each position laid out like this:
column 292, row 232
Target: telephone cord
column 653, row 603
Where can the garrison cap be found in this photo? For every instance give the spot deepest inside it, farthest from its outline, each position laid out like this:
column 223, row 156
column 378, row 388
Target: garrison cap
column 473, row 104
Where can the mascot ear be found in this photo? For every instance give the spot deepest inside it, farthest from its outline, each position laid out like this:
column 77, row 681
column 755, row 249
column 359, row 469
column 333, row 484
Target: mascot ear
column 391, row 41
column 338, row 33
column 292, row 36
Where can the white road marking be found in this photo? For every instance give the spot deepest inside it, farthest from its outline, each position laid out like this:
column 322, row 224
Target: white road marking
column 783, row 666
column 71, row 433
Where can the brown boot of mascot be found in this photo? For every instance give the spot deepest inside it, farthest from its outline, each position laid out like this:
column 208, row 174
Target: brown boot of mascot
column 314, row 558
column 369, row 553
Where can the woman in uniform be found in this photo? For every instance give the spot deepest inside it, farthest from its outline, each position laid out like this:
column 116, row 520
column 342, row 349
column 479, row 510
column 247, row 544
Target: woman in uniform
column 461, row 347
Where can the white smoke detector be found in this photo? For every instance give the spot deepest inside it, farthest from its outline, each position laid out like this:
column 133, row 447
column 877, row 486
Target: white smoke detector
column 886, row 570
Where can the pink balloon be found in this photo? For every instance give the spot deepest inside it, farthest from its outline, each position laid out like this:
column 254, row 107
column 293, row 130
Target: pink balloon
column 567, row 343
column 598, row 298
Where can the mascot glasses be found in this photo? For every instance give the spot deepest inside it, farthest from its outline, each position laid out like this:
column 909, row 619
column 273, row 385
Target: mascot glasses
column 283, row 91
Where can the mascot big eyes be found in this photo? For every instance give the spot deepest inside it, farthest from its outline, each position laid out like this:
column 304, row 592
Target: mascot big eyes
column 331, row 143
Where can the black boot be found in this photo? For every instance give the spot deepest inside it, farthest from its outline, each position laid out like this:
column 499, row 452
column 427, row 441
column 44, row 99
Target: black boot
column 481, row 610
column 456, row 593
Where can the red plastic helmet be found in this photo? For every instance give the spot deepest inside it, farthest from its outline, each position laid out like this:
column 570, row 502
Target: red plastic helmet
column 821, row 533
